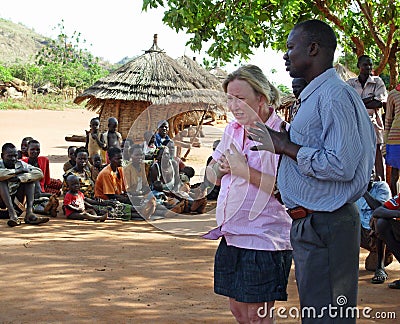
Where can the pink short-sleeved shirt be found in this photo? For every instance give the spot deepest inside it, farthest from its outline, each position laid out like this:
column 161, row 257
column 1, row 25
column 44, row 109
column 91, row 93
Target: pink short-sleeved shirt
column 248, row 217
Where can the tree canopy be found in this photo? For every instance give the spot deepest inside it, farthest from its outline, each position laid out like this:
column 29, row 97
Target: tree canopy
column 65, row 63
column 236, row 27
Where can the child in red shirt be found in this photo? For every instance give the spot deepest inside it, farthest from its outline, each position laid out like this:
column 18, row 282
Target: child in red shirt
column 75, row 203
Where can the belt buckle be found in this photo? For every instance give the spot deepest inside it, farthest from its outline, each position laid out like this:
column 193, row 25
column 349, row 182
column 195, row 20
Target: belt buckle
column 297, row 213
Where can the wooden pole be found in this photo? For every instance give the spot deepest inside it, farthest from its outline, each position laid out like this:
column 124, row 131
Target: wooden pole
column 197, row 132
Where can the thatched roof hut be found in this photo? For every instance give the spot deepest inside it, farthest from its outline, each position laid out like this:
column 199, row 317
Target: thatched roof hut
column 219, row 73
column 200, row 73
column 344, row 72
column 129, row 90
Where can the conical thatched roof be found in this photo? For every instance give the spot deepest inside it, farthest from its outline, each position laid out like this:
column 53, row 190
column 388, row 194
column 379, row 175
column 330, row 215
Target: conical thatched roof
column 148, row 78
column 200, row 73
column 344, row 72
column 219, row 73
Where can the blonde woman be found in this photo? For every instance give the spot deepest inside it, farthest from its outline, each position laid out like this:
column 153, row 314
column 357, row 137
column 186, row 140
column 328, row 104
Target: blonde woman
column 253, row 260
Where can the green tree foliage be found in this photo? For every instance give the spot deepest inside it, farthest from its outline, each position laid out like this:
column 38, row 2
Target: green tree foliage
column 31, row 73
column 5, row 74
column 65, row 63
column 236, row 27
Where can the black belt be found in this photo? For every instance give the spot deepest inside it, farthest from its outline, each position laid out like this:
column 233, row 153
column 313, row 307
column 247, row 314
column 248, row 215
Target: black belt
column 299, row 212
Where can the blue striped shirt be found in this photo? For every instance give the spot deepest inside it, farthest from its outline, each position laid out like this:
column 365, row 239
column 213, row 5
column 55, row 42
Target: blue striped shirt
column 337, row 155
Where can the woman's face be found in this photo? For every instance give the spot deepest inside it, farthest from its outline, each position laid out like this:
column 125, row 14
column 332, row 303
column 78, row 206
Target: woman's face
column 243, row 102
column 81, row 159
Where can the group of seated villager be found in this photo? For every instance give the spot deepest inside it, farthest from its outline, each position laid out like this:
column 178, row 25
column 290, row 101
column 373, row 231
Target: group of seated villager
column 135, row 181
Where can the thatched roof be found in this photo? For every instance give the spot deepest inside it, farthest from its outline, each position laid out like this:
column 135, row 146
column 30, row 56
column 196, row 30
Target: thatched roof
column 344, row 72
column 200, row 73
column 148, row 77
column 219, row 73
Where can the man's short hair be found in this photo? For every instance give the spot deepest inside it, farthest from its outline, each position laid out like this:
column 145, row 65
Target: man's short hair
column 33, row 141
column 7, row 146
column 113, row 150
column 319, row 32
column 362, row 58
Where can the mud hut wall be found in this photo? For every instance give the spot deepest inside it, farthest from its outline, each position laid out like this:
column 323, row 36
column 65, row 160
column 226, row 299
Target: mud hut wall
column 126, row 113
column 108, row 110
column 128, row 118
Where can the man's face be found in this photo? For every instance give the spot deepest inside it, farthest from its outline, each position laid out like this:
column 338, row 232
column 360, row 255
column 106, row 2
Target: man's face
column 365, row 66
column 116, row 160
column 163, row 129
column 33, row 150
column 296, row 56
column 297, row 87
column 10, row 157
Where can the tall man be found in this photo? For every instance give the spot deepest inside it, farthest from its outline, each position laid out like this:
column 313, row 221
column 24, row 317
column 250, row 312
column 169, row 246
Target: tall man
column 372, row 91
column 327, row 158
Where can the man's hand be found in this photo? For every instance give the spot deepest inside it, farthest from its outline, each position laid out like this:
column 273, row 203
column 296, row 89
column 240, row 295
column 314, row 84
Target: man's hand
column 24, row 169
column 270, row 139
column 273, row 141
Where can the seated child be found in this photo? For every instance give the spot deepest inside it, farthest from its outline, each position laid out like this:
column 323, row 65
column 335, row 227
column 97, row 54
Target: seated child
column 173, row 204
column 24, row 147
column 72, row 159
column 149, row 146
column 76, row 206
column 196, row 200
column 96, row 167
column 159, row 194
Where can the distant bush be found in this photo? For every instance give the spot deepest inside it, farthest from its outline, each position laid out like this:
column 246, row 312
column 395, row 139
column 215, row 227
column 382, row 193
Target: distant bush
column 5, row 74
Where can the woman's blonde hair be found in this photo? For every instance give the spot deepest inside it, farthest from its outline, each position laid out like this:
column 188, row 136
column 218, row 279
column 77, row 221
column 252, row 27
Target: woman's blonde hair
column 254, row 76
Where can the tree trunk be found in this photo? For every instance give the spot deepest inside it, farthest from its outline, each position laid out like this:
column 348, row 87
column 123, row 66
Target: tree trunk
column 393, row 67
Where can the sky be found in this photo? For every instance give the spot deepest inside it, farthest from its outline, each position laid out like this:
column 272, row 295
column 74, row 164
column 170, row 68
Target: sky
column 118, row 29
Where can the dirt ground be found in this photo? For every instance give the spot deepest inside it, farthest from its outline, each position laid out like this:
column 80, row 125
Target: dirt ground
column 69, row 271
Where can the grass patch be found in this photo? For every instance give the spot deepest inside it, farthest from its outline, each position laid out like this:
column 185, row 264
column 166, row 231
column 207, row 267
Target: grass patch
column 49, row 102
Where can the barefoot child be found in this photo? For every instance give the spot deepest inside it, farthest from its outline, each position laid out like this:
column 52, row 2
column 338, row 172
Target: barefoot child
column 112, row 138
column 75, row 203
column 94, row 140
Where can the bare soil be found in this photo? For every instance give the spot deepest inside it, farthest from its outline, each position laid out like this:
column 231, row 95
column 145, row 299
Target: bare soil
column 69, row 271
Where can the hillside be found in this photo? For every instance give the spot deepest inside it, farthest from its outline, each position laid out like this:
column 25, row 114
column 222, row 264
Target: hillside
column 18, row 43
